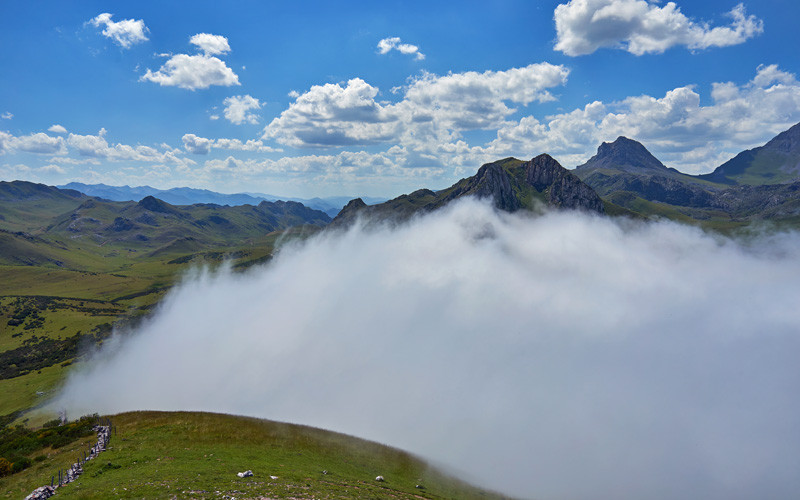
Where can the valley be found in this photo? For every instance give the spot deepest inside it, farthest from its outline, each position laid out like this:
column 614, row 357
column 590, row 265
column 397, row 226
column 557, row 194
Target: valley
column 76, row 269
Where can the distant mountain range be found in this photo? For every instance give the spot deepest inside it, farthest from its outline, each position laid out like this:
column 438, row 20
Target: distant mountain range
column 189, row 196
column 623, row 178
column 46, row 225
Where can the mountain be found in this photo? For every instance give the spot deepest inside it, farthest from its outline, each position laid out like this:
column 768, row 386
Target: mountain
column 776, row 162
column 151, row 222
column 625, row 173
column 624, row 155
column 510, row 183
column 44, row 225
column 25, row 206
column 190, row 196
column 626, row 165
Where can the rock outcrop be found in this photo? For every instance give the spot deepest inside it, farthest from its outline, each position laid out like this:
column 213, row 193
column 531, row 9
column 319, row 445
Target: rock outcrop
column 510, row 184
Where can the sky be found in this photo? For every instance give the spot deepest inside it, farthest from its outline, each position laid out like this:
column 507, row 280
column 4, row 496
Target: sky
column 319, row 98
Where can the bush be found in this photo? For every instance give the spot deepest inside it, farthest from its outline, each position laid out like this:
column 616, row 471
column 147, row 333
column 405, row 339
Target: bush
column 5, row 467
column 52, row 423
column 20, row 464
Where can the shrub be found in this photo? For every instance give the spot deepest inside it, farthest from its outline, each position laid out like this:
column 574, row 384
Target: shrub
column 5, row 467
column 20, row 464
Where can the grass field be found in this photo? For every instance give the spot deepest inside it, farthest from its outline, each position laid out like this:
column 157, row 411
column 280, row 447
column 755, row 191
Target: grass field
column 197, row 455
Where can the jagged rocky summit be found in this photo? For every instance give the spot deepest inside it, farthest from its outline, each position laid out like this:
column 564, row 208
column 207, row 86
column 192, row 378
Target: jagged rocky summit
column 510, row 183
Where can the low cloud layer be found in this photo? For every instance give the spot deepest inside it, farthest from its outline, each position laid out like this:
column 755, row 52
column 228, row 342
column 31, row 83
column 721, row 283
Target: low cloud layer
column 559, row 356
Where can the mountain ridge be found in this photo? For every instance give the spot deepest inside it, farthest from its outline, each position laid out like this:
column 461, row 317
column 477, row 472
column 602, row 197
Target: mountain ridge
column 510, row 184
column 190, row 196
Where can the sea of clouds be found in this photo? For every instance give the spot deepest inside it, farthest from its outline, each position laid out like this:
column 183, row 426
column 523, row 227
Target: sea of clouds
column 558, row 356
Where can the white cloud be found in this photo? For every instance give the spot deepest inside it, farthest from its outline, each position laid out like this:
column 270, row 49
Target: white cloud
column 198, row 71
column 192, row 72
column 237, row 109
column 124, row 33
column 250, row 145
column 432, row 109
column 57, row 129
column 332, row 115
column 394, row 43
column 39, row 143
column 7, row 115
column 97, row 147
column 53, row 169
column 196, row 145
column 472, row 100
column 211, row 45
column 642, row 27
column 676, row 127
column 202, row 145
column 614, row 360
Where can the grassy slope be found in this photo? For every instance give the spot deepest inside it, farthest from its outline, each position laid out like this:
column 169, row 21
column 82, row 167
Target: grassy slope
column 197, row 455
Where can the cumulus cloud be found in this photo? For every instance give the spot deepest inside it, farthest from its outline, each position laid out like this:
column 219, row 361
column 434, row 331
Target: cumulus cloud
column 202, row 145
column 192, row 72
column 57, row 129
column 211, row 45
column 563, row 356
column 124, row 33
column 433, row 107
column 238, row 109
column 198, row 71
column 39, row 143
column 196, row 145
column 53, row 169
column 677, row 127
column 642, row 27
column 394, row 43
column 250, row 145
column 7, row 116
column 96, row 147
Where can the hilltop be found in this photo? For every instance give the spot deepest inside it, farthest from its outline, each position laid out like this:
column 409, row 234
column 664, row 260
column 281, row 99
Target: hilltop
column 198, row 455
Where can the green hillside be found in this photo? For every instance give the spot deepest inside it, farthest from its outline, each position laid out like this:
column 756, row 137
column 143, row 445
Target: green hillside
column 197, row 455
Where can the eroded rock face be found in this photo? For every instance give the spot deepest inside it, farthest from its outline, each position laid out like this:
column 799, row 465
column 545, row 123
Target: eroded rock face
column 564, row 189
column 491, row 181
column 509, row 184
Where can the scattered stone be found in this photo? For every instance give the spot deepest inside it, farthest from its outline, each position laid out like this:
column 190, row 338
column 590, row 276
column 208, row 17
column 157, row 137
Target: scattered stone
column 273, row 477
column 71, row 474
column 41, row 493
column 379, row 479
column 246, row 473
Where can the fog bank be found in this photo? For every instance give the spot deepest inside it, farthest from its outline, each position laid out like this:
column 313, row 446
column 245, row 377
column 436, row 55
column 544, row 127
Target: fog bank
column 559, row 357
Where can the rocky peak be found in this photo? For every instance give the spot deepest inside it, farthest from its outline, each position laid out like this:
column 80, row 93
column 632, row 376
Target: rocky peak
column 624, row 154
column 787, row 141
column 349, row 212
column 153, row 204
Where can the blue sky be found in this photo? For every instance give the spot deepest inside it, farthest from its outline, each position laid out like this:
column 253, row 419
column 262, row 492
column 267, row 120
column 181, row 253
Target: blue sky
column 380, row 98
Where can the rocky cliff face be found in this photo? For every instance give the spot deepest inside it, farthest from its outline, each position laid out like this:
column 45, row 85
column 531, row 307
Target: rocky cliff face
column 510, row 184
column 563, row 188
column 491, row 181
